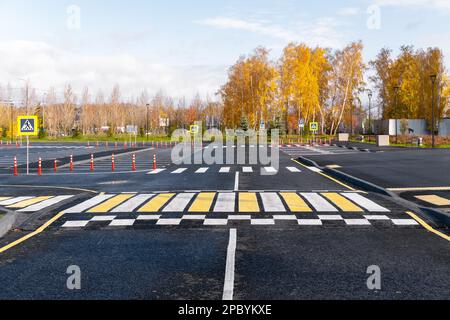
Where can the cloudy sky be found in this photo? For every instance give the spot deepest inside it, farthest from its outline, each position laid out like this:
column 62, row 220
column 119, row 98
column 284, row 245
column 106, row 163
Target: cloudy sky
column 184, row 47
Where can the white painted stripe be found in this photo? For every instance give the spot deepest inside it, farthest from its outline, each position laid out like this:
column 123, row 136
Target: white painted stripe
column 270, row 170
column 178, row 171
column 318, row 202
column 156, row 171
column 310, row 222
column 133, row 203
column 236, row 182
column 148, row 217
column 225, row 170
column 293, row 169
column 404, row 222
column 314, row 169
column 102, row 218
column 228, row 287
column 89, row 203
column 288, row 218
column 247, row 169
column 357, row 222
column 14, row 201
column 202, row 170
column 216, row 222
column 272, row 202
column 193, row 217
column 331, row 218
column 365, row 203
column 122, row 223
column 226, row 202
column 75, row 224
column 45, row 204
column 168, row 222
column 263, row 222
column 239, row 217
column 180, row 202
column 372, row 217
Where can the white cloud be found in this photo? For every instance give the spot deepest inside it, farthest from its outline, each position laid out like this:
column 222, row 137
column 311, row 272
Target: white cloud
column 321, row 32
column 45, row 66
column 436, row 4
column 349, row 11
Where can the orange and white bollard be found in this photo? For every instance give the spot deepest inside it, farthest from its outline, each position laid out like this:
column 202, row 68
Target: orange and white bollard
column 133, row 165
column 154, row 162
column 71, row 164
column 55, row 166
column 16, row 171
column 113, row 163
column 40, row 167
column 92, row 162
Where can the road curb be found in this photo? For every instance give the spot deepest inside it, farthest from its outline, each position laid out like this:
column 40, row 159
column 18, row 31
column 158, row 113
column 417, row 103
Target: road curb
column 7, row 222
column 438, row 218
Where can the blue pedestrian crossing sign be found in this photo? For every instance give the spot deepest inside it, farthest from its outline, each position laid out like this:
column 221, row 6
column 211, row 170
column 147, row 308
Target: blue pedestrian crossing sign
column 314, row 127
column 27, row 126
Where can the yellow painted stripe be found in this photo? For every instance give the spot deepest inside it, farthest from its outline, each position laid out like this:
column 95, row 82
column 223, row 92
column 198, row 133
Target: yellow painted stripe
column 248, row 202
column 436, row 200
column 343, row 203
column 155, row 204
column 4, row 198
column 111, row 203
column 427, row 226
column 27, row 203
column 203, row 203
column 295, row 202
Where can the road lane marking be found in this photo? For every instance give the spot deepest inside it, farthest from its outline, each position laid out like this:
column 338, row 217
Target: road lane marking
column 236, row 181
column 228, row 288
column 180, row 202
column 122, row 223
column 270, row 170
column 318, row 202
column 294, row 169
column 156, row 171
column 310, row 222
column 178, row 171
column 156, row 203
column 110, row 204
column 225, row 202
column 225, row 170
column 379, row 218
column 148, row 217
column 342, row 203
column 215, row 222
column 193, row 217
column 45, row 204
column 427, row 226
column 263, row 222
column 272, row 202
column 248, row 202
column 4, row 198
column 14, row 200
column 27, row 203
column 367, row 204
column 133, row 203
column 75, row 224
column 331, row 218
column 203, row 202
column 404, row 222
column 435, row 200
column 295, row 202
column 247, row 169
column 89, row 203
column 419, row 189
column 168, row 222
column 357, row 222
column 103, row 218
column 202, row 170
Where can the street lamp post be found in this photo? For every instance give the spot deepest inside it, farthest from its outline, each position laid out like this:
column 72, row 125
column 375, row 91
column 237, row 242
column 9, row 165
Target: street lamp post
column 433, row 81
column 351, row 116
column 396, row 89
column 370, row 95
column 146, row 122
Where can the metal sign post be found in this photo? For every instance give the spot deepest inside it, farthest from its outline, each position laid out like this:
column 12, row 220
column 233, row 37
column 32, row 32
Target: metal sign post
column 27, row 126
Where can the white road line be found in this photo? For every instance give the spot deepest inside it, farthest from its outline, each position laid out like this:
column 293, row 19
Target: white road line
column 331, row 218
column 202, row 170
column 133, row 203
column 404, row 222
column 372, row 217
column 45, row 204
column 272, row 202
column 225, row 170
column 102, row 218
column 228, row 288
column 365, row 203
column 180, row 202
column 193, row 217
column 263, row 222
column 178, row 171
column 168, row 222
column 156, row 171
column 293, row 169
column 236, row 182
column 14, row 201
column 270, row 170
column 148, row 217
column 357, row 222
column 215, row 222
column 89, row 203
column 75, row 224
column 122, row 223
column 319, row 203
column 310, row 222
column 225, row 202
column 247, row 169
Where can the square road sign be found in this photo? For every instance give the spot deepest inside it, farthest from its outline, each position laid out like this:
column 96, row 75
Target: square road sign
column 314, row 126
column 27, row 126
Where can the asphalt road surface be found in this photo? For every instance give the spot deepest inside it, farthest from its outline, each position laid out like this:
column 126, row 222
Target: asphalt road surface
column 222, row 231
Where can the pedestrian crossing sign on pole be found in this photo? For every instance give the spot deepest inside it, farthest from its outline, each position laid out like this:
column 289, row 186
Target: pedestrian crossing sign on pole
column 27, row 126
column 314, row 127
